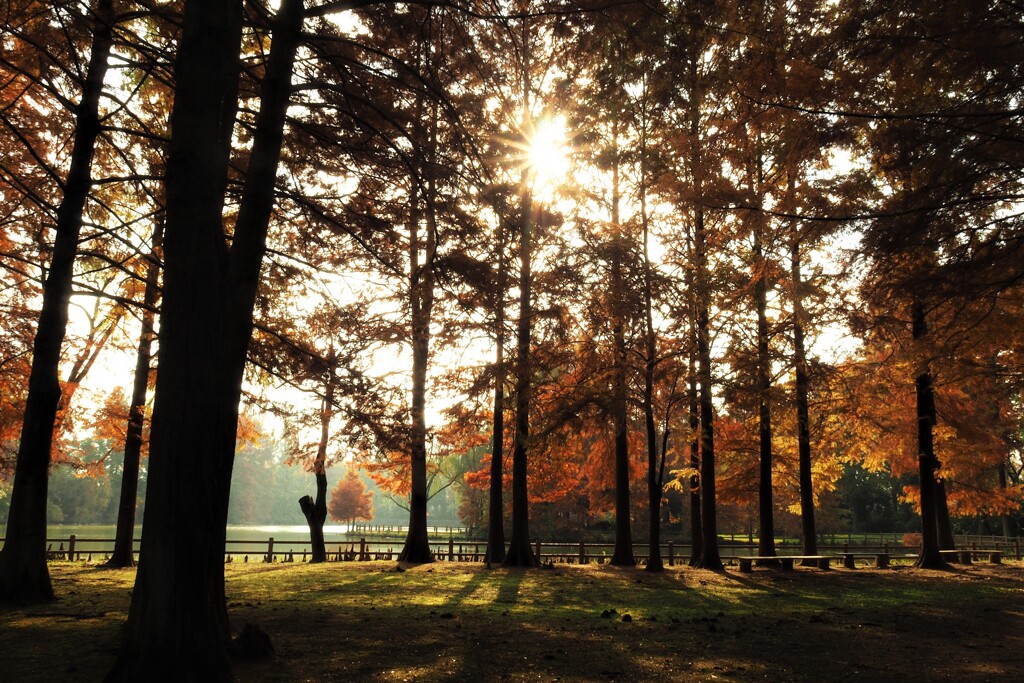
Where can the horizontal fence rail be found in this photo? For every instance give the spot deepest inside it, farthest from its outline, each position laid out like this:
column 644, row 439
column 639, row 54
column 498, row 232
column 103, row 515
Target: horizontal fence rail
column 571, row 552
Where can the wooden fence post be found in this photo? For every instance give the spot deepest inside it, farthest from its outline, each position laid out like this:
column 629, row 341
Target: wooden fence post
column 538, row 552
column 671, row 554
column 362, row 550
column 451, row 549
column 270, row 550
column 583, row 553
column 71, row 548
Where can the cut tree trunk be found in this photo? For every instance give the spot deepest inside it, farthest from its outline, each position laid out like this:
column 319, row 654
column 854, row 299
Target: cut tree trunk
column 24, row 577
column 315, row 512
column 315, row 509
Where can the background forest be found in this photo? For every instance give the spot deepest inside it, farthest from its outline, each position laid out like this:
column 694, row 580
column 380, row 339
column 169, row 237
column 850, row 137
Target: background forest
column 751, row 246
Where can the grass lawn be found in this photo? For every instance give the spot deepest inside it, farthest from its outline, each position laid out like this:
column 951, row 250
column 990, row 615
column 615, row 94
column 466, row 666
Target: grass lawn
column 454, row 622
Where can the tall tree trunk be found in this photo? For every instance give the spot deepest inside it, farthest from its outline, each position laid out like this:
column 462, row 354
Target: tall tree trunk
column 421, row 303
column 766, row 505
column 495, row 509
column 693, row 413
column 696, row 536
column 23, row 574
column 623, row 552
column 655, row 477
column 520, row 554
column 929, row 557
column 177, row 624
column 803, row 422
column 421, row 292
column 124, row 553
column 710, row 558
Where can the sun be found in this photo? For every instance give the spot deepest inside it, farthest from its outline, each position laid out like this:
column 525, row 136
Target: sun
column 546, row 153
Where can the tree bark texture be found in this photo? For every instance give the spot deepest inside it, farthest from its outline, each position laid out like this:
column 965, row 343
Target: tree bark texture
column 520, row 554
column 693, row 414
column 124, row 551
column 423, row 195
column 929, row 557
column 655, row 475
column 177, row 625
column 315, row 512
column 710, row 557
column 766, row 506
column 495, row 502
column 696, row 534
column 809, row 532
column 23, row 574
column 622, row 554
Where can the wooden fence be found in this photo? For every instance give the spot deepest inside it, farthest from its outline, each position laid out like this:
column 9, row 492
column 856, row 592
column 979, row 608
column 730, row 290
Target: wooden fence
column 452, row 550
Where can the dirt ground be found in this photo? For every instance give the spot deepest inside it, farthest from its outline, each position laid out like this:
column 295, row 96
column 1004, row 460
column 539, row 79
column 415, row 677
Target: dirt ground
column 462, row 622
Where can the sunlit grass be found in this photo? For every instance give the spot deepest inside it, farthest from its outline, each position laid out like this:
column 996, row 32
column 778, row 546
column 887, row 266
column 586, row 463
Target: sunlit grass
column 366, row 621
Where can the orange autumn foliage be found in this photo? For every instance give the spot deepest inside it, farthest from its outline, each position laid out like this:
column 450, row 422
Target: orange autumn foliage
column 350, row 500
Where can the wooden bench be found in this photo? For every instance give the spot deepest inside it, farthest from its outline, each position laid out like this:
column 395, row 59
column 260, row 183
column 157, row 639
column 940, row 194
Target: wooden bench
column 850, row 559
column 966, row 556
column 746, row 563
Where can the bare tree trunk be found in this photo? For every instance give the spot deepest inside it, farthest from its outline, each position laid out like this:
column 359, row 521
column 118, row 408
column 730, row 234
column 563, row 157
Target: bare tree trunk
column 709, row 557
column 520, row 554
column 421, row 304
column 421, row 292
column 23, row 574
column 766, row 506
column 693, row 415
column 654, row 473
column 124, row 553
column 495, row 510
column 177, row 624
column 929, row 557
column 696, row 536
column 803, row 422
column 623, row 552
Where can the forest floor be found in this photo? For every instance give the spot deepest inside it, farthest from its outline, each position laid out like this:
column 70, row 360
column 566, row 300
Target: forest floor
column 462, row 622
